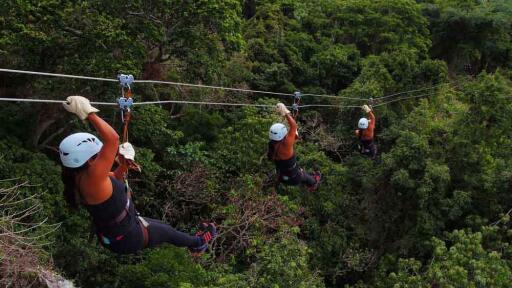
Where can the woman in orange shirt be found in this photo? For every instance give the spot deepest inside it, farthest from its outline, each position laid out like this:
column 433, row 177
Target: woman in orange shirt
column 280, row 150
column 365, row 133
column 87, row 162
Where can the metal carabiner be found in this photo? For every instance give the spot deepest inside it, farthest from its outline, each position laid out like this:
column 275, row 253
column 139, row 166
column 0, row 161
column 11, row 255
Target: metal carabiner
column 125, row 105
column 296, row 103
column 126, row 81
column 296, row 97
column 371, row 101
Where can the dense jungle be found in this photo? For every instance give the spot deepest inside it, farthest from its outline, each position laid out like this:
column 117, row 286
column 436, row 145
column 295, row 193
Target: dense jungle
column 432, row 210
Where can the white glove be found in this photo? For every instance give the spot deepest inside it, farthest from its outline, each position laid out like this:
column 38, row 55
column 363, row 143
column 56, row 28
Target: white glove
column 366, row 108
column 79, row 105
column 126, row 149
column 281, row 109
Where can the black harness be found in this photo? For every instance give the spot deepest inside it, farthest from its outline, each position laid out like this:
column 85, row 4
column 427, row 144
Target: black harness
column 115, row 217
column 286, row 169
column 366, row 144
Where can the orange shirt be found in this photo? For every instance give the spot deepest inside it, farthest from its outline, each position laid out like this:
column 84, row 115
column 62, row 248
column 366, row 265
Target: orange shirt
column 284, row 149
column 368, row 132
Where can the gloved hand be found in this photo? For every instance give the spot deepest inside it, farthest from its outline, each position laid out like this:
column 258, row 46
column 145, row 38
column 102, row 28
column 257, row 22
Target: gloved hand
column 80, row 106
column 127, row 156
column 366, row 108
column 281, row 109
column 126, row 149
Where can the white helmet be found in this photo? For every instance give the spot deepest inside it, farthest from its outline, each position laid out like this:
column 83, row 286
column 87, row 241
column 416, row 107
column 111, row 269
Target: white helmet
column 77, row 148
column 277, row 132
column 363, row 123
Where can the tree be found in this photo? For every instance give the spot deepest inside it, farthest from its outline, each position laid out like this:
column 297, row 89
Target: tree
column 471, row 36
column 460, row 261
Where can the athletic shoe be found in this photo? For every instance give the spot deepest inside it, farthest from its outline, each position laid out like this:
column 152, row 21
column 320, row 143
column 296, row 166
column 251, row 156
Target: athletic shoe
column 207, row 232
column 318, row 177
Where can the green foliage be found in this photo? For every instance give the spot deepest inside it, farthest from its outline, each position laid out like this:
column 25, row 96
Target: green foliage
column 251, row 132
column 24, row 165
column 465, row 262
column 201, row 126
column 471, row 32
column 163, row 267
column 283, row 264
column 160, row 135
column 382, row 26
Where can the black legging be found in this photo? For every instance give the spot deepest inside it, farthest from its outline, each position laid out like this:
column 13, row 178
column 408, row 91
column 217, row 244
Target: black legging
column 127, row 237
column 159, row 233
column 369, row 150
column 368, row 147
column 301, row 178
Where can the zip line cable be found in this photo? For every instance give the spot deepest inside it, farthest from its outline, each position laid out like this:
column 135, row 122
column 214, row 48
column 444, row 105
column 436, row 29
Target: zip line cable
column 210, row 103
column 202, row 103
column 57, row 75
column 212, row 87
column 137, row 103
column 410, row 91
column 335, row 96
column 375, row 105
column 171, row 83
column 207, row 86
column 404, row 98
column 328, row 105
column 166, row 102
column 53, row 101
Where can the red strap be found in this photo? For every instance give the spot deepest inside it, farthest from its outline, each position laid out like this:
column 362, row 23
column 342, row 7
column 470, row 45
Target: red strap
column 127, row 118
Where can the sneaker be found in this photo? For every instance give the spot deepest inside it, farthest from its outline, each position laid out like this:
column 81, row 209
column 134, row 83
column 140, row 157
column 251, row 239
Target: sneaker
column 207, row 231
column 318, row 177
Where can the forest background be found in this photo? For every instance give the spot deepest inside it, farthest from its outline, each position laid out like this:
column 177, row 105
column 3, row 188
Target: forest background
column 433, row 211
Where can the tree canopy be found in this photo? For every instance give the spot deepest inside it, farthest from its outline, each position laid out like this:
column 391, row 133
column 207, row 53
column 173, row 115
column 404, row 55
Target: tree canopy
column 432, row 211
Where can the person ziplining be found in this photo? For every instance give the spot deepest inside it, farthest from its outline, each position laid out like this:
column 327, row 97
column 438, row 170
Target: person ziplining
column 280, row 150
column 365, row 133
column 88, row 180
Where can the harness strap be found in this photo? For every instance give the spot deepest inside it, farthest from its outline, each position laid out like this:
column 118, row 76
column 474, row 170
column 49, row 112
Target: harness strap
column 127, row 116
column 296, row 103
column 119, row 217
column 145, row 233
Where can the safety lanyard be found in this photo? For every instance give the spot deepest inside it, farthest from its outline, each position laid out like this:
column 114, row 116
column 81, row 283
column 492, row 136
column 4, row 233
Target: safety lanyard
column 125, row 103
column 296, row 103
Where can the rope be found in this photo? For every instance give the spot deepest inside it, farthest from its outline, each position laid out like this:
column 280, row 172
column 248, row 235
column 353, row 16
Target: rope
column 127, row 118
